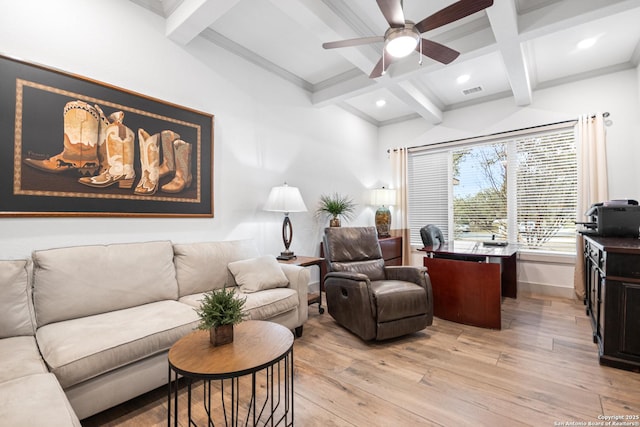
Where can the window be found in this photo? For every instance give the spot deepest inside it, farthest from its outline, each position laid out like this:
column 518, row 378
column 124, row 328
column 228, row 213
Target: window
column 520, row 187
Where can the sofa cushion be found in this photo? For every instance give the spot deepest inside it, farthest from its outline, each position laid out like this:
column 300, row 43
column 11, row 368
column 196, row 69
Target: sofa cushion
column 35, row 400
column 202, row 266
column 262, row 305
column 19, row 356
column 16, row 308
column 396, row 299
column 257, row 274
column 85, row 280
column 79, row 349
column 269, row 303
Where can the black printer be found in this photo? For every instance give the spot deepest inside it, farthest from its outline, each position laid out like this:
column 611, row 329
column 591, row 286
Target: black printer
column 615, row 218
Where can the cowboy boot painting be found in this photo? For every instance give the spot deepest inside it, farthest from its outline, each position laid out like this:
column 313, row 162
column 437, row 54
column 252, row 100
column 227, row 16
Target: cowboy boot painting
column 149, row 163
column 81, row 125
column 168, row 165
column 183, row 177
column 116, row 117
column 119, row 155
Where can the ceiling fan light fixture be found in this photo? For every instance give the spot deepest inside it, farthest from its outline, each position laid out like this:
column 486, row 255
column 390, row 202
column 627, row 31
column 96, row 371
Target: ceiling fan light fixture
column 400, row 42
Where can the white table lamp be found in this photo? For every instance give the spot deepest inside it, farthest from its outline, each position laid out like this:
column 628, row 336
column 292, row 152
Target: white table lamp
column 285, row 199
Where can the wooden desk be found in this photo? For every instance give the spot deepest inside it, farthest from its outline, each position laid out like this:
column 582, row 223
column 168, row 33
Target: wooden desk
column 469, row 280
column 308, row 261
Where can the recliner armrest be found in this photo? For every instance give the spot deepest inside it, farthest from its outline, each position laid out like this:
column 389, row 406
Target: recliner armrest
column 350, row 275
column 417, row 275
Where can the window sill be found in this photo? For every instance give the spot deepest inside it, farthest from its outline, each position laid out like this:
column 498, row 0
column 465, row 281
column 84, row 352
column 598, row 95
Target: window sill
column 547, row 257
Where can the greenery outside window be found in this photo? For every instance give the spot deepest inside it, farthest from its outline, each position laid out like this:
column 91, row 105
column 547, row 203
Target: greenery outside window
column 521, row 187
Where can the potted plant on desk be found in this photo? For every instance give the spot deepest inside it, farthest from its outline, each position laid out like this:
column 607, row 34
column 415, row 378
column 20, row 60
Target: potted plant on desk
column 336, row 206
column 218, row 312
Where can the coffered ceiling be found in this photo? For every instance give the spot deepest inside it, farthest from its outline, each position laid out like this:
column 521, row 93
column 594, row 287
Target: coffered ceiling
column 508, row 50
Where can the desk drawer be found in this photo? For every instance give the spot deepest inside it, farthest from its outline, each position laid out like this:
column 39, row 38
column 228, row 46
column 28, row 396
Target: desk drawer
column 623, row 265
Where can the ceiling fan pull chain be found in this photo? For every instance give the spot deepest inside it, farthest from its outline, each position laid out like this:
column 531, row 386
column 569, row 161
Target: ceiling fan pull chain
column 420, row 60
column 384, row 69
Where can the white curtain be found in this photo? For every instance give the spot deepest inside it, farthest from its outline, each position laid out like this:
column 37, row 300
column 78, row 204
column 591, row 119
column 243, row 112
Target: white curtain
column 592, row 180
column 400, row 219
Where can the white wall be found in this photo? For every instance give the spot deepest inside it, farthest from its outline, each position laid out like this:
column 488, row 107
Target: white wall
column 616, row 93
column 266, row 130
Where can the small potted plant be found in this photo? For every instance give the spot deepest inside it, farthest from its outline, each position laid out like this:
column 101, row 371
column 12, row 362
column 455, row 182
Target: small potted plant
column 218, row 312
column 336, row 206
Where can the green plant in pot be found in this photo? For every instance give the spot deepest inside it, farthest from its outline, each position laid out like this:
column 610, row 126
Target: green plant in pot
column 218, row 312
column 335, row 207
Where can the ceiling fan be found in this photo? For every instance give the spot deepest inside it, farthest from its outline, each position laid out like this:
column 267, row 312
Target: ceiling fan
column 403, row 36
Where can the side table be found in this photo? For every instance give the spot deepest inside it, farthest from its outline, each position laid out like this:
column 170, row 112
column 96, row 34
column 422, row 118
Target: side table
column 258, row 348
column 308, row 261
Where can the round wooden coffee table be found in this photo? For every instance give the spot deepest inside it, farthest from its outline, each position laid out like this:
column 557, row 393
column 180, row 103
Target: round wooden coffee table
column 258, row 349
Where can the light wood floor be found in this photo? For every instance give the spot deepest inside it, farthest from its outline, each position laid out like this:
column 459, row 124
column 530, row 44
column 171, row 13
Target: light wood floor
column 541, row 369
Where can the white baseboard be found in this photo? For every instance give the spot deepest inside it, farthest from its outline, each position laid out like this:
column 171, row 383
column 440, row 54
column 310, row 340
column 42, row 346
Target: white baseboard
column 527, row 288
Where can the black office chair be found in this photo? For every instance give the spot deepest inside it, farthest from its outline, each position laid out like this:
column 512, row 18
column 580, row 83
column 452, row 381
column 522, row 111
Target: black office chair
column 431, row 235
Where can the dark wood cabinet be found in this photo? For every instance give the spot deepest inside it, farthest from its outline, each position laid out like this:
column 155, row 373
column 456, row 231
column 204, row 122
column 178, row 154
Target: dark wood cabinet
column 612, row 298
column 391, row 250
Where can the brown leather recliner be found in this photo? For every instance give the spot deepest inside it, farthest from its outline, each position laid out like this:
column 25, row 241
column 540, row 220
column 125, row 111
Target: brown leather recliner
column 367, row 298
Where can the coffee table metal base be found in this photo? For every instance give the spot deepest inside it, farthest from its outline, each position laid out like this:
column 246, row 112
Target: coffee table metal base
column 253, row 377
column 273, row 408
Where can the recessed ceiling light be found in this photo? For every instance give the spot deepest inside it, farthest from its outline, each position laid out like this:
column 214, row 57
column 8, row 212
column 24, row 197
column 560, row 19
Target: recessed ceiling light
column 463, row 78
column 587, row 43
column 381, row 103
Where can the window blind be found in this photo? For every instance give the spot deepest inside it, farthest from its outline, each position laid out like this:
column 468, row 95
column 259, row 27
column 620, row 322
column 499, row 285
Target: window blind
column 547, row 182
column 428, row 187
column 521, row 188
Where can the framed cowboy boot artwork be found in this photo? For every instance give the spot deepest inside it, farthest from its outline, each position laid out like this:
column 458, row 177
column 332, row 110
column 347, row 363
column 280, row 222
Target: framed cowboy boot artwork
column 82, row 147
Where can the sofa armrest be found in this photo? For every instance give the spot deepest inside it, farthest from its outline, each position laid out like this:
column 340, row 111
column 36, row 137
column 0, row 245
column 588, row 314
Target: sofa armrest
column 299, row 281
column 417, row 275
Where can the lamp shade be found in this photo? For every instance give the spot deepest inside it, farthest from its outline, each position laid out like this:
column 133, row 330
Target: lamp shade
column 383, row 197
column 285, row 199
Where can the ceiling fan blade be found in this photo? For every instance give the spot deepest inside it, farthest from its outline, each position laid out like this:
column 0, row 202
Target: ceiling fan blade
column 392, row 11
column 379, row 70
column 437, row 51
column 353, row 42
column 457, row 10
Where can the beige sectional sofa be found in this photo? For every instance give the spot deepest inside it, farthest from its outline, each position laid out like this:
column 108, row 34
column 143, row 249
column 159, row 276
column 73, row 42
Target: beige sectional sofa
column 104, row 317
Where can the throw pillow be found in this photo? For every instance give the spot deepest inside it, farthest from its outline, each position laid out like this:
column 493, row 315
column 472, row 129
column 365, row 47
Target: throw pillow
column 257, row 274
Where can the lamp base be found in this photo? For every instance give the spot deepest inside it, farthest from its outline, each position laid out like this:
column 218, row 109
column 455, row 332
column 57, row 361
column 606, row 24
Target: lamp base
column 383, row 221
column 286, row 255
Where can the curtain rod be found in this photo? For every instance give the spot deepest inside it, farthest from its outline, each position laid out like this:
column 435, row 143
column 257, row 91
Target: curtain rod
column 605, row 114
